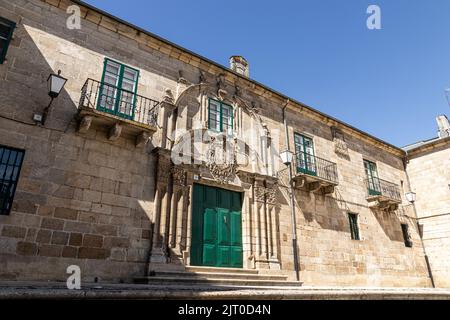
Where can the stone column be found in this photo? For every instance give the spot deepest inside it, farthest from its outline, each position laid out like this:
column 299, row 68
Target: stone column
column 189, row 191
column 167, row 108
column 247, row 232
column 162, row 206
column 260, row 213
column 271, row 200
column 177, row 212
column 181, row 220
column 173, row 217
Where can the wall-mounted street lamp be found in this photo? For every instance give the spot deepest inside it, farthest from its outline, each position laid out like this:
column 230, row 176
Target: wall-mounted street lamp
column 55, row 83
column 286, row 157
column 410, row 196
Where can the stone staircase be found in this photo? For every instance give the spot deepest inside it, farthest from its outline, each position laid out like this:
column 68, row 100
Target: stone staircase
column 217, row 277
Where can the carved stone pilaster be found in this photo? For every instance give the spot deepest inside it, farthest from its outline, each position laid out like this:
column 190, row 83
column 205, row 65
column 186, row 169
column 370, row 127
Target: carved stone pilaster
column 163, row 172
column 164, row 166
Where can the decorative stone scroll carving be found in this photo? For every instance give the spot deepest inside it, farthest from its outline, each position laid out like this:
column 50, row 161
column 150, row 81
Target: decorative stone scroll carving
column 222, row 169
column 179, row 176
column 260, row 193
column 222, row 94
column 271, row 195
column 168, row 97
column 181, row 78
column 340, row 146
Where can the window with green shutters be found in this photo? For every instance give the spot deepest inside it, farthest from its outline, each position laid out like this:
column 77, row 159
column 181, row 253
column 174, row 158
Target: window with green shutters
column 373, row 183
column 220, row 117
column 304, row 152
column 118, row 89
column 6, row 32
column 354, row 230
column 406, row 235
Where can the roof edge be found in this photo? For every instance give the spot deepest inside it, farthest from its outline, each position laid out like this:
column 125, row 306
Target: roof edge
column 394, row 149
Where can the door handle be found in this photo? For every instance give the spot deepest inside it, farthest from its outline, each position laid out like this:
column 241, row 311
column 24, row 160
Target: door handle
column 225, row 219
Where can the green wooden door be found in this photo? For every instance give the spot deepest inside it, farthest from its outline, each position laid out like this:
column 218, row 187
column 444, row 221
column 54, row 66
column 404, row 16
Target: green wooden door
column 304, row 149
column 372, row 178
column 216, row 228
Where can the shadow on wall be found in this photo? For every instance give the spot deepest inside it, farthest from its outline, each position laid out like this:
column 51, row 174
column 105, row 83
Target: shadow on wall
column 24, row 90
column 56, row 159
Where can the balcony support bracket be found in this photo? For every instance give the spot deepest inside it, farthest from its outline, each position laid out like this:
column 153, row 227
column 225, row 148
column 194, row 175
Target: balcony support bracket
column 142, row 139
column 114, row 132
column 85, row 124
column 314, row 186
column 328, row 189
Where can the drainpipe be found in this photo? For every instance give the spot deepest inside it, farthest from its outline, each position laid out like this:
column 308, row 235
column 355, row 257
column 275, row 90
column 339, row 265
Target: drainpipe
column 291, row 197
column 427, row 261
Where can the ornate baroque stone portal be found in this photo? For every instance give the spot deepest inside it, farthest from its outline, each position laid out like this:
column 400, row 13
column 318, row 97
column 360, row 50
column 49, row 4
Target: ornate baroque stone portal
column 172, row 215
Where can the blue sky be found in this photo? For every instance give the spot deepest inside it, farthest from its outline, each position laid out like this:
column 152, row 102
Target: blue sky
column 388, row 82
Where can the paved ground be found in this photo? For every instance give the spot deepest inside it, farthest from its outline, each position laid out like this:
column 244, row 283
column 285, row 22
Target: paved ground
column 55, row 290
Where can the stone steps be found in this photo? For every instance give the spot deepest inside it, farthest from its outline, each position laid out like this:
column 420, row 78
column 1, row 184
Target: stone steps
column 222, row 270
column 207, row 276
column 220, row 275
column 211, row 281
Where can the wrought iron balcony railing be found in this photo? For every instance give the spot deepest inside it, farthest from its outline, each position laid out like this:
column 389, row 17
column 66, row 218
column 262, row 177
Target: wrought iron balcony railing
column 316, row 167
column 378, row 187
column 119, row 102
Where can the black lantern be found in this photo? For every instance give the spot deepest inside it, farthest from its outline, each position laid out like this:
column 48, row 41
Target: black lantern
column 55, row 84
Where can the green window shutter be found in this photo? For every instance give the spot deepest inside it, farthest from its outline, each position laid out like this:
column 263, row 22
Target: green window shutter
column 6, row 31
column 118, row 89
column 214, row 118
column 354, row 230
column 373, row 183
column 304, row 153
column 220, row 117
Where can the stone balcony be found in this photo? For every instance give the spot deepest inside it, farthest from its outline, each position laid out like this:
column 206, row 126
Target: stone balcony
column 315, row 174
column 383, row 194
column 120, row 111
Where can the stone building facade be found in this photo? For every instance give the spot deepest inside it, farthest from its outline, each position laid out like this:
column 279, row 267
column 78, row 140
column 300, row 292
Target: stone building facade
column 127, row 174
column 428, row 170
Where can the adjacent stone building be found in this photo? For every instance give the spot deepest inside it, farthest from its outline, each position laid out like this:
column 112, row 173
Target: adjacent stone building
column 125, row 173
column 428, row 170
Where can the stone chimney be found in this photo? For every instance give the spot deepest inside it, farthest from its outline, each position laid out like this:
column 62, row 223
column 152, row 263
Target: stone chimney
column 239, row 65
column 444, row 126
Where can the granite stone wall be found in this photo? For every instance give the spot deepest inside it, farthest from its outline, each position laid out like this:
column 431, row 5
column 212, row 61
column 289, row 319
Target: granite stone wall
column 86, row 200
